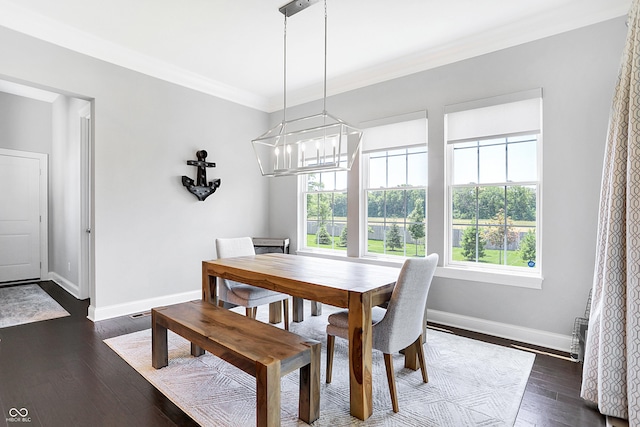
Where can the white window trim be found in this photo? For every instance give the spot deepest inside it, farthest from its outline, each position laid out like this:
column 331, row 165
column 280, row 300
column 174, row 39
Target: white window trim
column 507, row 278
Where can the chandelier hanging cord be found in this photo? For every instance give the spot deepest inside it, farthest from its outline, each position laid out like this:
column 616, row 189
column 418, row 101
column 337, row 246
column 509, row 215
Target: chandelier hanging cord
column 324, row 103
column 284, row 111
column 324, row 88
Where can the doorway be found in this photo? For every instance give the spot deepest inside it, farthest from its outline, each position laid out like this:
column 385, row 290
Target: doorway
column 66, row 254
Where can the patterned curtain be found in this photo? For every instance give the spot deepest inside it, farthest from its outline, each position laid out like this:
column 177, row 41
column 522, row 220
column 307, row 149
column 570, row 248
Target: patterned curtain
column 611, row 377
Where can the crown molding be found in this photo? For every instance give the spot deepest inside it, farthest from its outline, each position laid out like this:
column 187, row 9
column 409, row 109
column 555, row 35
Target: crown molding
column 44, row 28
column 533, row 28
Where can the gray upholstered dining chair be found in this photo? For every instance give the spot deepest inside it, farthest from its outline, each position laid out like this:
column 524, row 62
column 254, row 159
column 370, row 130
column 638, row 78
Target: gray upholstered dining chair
column 399, row 326
column 242, row 294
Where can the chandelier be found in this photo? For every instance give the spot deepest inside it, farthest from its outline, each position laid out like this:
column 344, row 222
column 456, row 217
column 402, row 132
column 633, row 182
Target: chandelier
column 318, row 143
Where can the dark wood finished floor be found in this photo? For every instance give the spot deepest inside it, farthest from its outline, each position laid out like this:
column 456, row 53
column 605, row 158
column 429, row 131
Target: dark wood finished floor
column 64, row 375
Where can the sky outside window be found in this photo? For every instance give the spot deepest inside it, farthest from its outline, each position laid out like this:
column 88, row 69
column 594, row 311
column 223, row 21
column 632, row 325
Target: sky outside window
column 495, row 161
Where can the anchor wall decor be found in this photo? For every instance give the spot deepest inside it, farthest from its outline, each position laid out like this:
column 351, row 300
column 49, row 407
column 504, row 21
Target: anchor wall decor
column 201, row 189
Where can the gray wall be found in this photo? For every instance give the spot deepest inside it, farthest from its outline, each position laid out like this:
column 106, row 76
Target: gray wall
column 150, row 234
column 577, row 71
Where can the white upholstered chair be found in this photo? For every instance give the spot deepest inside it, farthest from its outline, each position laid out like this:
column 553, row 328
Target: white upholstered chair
column 242, row 294
column 399, row 326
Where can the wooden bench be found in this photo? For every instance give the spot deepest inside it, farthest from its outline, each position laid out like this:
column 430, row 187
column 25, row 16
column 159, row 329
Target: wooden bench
column 259, row 349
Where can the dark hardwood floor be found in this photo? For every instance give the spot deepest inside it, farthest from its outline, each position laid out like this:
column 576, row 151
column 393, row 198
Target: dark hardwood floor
column 64, row 375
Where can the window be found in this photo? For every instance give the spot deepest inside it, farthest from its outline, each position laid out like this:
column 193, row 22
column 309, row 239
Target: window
column 395, row 194
column 385, row 203
column 395, row 189
column 325, row 197
column 494, row 183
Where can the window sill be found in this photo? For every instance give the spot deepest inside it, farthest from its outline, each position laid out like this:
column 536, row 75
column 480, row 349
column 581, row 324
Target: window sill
column 343, row 256
column 322, row 254
column 532, row 281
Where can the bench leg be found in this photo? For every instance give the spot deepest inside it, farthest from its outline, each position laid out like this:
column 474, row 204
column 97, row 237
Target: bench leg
column 159, row 348
column 309, row 403
column 268, row 394
column 285, row 310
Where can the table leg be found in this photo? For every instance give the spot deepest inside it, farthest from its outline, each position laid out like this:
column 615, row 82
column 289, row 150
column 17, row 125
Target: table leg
column 360, row 360
column 410, row 354
column 209, row 287
column 275, row 312
column 298, row 309
column 316, row 308
column 196, row 351
column 411, row 358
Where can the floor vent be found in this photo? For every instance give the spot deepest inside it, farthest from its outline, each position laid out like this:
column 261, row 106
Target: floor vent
column 138, row 315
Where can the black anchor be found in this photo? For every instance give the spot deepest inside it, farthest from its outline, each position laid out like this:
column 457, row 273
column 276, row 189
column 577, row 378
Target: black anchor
column 201, row 189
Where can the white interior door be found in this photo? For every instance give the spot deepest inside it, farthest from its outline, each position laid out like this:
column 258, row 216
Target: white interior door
column 20, row 236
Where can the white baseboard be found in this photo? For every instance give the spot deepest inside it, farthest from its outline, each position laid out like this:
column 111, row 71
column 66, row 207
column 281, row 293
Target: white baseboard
column 65, row 284
column 116, row 310
column 503, row 330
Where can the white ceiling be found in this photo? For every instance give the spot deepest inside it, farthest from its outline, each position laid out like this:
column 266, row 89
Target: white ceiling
column 234, row 48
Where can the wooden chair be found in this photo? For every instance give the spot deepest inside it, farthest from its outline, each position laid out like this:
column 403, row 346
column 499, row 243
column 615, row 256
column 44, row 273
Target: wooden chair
column 242, row 294
column 399, row 326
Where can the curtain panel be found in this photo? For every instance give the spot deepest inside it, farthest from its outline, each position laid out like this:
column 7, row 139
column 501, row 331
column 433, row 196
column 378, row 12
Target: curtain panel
column 611, row 376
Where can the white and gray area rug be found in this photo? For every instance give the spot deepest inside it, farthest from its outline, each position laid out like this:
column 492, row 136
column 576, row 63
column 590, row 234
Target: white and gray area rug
column 26, row 304
column 471, row 383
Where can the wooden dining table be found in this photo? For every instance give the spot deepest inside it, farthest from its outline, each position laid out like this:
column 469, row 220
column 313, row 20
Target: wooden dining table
column 353, row 285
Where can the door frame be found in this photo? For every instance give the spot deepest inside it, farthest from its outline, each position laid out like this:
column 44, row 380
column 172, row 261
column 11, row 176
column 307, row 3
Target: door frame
column 43, row 160
column 86, row 261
